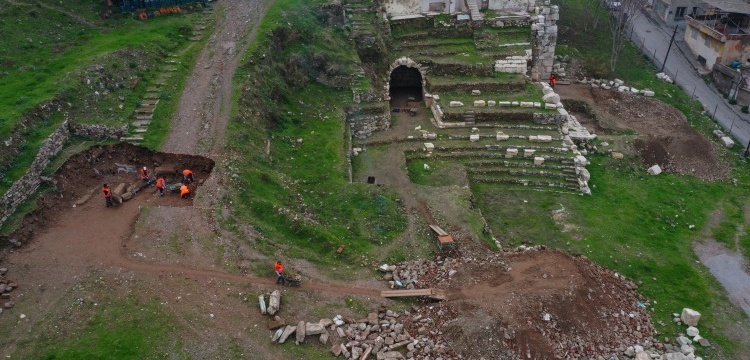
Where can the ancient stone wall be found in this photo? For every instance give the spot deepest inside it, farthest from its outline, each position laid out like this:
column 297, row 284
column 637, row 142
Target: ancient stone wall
column 557, row 119
column 482, row 86
column 544, row 31
column 98, row 132
column 362, row 127
column 28, row 184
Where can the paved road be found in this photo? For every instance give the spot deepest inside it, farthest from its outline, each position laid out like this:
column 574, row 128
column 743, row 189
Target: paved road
column 650, row 36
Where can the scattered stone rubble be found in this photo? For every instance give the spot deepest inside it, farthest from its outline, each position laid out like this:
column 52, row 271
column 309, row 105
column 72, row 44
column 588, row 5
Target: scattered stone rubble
column 380, row 335
column 616, row 84
column 726, row 140
column 6, row 287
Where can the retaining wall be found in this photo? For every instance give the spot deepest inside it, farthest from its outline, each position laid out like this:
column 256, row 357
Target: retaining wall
column 29, row 183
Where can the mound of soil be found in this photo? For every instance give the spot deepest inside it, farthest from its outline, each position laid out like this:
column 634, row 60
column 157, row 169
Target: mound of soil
column 664, row 136
column 535, row 303
column 80, row 178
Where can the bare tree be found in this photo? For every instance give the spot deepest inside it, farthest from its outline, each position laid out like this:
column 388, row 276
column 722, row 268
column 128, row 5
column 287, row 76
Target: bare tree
column 623, row 14
column 590, row 15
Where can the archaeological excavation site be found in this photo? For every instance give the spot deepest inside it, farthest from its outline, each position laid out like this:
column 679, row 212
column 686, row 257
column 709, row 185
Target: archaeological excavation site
column 359, row 179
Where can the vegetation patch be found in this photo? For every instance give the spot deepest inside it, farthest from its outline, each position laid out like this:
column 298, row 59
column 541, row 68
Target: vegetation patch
column 294, row 185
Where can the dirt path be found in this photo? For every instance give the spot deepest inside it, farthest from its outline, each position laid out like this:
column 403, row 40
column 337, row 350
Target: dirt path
column 200, row 123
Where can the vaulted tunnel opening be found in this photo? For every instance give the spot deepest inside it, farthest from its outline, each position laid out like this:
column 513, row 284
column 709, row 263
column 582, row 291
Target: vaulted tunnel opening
column 405, row 86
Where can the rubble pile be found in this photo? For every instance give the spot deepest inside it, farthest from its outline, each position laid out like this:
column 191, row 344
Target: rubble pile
column 6, row 286
column 382, row 335
column 421, row 274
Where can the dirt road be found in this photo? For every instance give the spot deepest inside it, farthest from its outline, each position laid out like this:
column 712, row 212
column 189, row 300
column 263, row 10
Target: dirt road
column 199, row 125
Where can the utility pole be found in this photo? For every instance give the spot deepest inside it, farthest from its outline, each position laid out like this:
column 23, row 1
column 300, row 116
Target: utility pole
column 668, row 48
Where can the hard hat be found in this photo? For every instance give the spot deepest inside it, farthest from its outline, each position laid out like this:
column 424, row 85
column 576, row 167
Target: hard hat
column 144, row 168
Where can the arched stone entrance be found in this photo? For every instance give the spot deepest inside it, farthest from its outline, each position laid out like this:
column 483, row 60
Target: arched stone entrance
column 406, row 82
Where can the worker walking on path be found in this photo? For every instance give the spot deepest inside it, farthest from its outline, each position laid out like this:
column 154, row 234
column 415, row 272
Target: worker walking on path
column 146, row 176
column 184, row 192
column 552, row 80
column 279, row 269
column 160, row 185
column 187, row 176
column 107, row 195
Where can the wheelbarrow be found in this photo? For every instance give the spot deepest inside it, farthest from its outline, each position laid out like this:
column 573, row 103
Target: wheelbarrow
column 294, row 280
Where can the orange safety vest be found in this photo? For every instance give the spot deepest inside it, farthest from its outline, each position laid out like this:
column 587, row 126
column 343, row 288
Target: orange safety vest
column 184, row 190
column 278, row 267
column 106, row 191
column 187, row 172
column 144, row 174
column 160, row 183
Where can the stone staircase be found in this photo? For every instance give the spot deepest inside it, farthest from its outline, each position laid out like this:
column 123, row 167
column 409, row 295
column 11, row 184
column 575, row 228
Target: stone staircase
column 474, row 10
column 144, row 114
column 357, row 13
column 469, row 117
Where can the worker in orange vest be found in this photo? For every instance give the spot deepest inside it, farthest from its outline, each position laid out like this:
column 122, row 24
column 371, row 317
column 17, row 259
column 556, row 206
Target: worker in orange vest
column 187, row 176
column 184, row 192
column 146, row 176
column 160, row 185
column 279, row 269
column 107, row 195
column 552, row 80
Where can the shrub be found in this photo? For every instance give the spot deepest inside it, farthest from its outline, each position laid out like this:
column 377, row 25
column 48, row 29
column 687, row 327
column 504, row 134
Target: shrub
column 745, row 109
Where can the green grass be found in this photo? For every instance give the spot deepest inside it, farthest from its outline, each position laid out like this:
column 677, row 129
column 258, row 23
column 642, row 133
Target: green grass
column 298, row 195
column 89, row 65
column 726, row 231
column 124, row 330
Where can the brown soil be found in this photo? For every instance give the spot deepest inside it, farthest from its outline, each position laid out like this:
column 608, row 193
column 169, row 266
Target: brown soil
column 172, row 250
column 664, row 136
column 537, row 304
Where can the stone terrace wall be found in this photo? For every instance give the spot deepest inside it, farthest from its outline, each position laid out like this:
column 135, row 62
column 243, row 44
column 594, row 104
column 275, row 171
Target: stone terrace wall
column 28, row 184
column 482, row 86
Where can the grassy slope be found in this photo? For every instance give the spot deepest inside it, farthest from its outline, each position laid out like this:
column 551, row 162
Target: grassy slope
column 46, row 54
column 277, row 191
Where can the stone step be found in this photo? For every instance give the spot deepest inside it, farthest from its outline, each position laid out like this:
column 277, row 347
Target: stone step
column 198, row 33
column 152, row 89
column 140, row 130
column 134, row 138
column 141, row 123
column 151, row 95
column 194, row 38
column 145, row 110
column 170, row 68
column 150, row 102
column 170, row 61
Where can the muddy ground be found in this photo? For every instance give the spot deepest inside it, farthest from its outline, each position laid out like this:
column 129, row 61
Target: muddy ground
column 663, row 135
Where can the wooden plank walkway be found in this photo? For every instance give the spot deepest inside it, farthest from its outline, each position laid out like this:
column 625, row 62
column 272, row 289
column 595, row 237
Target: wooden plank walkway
column 437, row 294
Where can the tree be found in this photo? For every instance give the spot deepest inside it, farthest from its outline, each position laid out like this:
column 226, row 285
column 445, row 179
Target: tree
column 590, row 15
column 622, row 17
